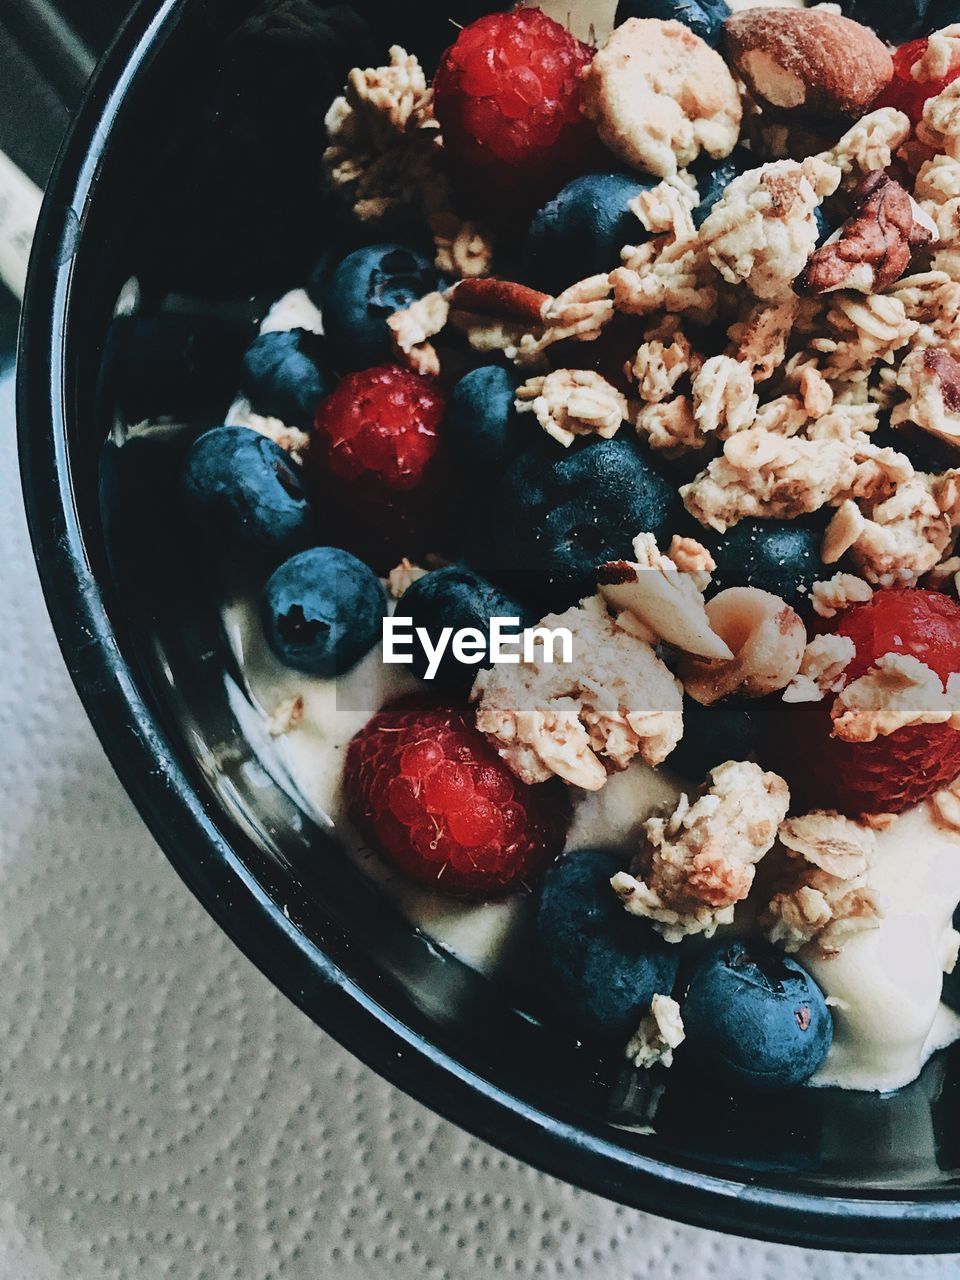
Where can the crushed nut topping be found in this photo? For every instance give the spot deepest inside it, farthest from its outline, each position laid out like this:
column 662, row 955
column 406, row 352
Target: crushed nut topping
column 659, row 95
column 825, row 660
column 874, row 246
column 660, row 1032
column 823, row 896
column 412, row 328
column 402, row 576
column 897, row 691
column 838, row 593
column 615, row 701
column 763, row 230
column 667, row 603
column 766, row 640
column 573, row 402
column 695, row 865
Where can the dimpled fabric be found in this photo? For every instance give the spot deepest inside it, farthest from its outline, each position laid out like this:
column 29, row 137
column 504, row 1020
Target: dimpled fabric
column 164, row 1112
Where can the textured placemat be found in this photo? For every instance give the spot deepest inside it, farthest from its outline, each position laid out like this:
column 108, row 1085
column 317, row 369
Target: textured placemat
column 164, row 1112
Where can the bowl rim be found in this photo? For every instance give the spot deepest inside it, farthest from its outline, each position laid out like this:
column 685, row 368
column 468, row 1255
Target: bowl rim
column 187, row 829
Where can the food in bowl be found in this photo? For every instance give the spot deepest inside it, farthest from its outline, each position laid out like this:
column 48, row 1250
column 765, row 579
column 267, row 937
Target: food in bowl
column 648, row 345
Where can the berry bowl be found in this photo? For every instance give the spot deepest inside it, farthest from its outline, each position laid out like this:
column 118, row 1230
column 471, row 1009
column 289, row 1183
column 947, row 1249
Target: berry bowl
column 182, row 200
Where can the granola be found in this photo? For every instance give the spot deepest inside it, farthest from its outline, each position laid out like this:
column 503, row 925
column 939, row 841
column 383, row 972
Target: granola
column 838, row 593
column 822, row 669
column 897, row 691
column 696, row 864
column 573, row 402
column 660, row 1032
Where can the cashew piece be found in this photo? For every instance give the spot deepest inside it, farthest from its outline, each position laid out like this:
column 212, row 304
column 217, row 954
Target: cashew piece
column 767, row 639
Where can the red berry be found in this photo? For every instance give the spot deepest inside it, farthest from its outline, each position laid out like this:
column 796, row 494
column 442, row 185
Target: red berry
column 376, row 447
column 507, row 96
column 905, row 93
column 427, row 789
column 894, row 772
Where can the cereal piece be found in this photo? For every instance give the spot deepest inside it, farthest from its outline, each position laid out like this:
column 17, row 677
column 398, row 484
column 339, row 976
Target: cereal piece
column 660, row 1032
column 823, row 895
column 724, row 398
column 667, row 603
column 875, row 245
column 784, row 416
column 941, row 57
column 940, row 127
column 658, row 366
column 463, row 248
column 692, row 558
column 659, row 95
column 931, row 380
column 291, row 439
column 897, row 691
column 412, row 328
column 808, row 60
column 906, row 535
column 763, row 230
column 580, row 312
column 825, row 660
column 945, row 807
column 864, row 331
column 760, row 339
column 616, row 700
column 870, row 144
column 671, row 428
column 666, row 274
column 846, row 526
column 697, row 864
column 573, row 402
column 766, row 638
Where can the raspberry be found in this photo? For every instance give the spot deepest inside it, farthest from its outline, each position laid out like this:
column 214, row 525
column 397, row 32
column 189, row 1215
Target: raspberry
column 376, row 446
column 894, row 772
column 427, row 789
column 507, row 96
column 903, row 92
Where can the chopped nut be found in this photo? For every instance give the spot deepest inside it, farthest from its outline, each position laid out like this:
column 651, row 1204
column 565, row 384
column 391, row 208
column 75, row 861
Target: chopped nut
column 666, row 602
column 838, row 593
column 875, row 244
column 899, row 690
column 402, row 577
column 766, row 638
column 724, row 398
column 660, row 1032
column 823, row 896
column 659, row 95
column 931, row 379
column 763, row 230
column 615, row 701
column 573, row 402
column 825, row 660
column 694, row 866
column 412, row 328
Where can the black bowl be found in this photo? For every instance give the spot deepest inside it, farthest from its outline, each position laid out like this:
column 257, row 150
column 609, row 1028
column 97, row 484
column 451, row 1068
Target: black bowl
column 151, row 185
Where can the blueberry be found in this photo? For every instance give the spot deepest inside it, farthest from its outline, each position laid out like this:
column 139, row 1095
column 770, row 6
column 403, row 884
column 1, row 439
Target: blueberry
column 481, row 423
column 705, row 18
column 901, row 20
column 602, row 966
column 755, row 1018
column 581, row 231
column 246, row 492
column 455, row 597
column 559, row 516
column 711, row 735
column 322, row 611
column 780, row 556
column 713, row 179
column 369, row 285
column 284, row 376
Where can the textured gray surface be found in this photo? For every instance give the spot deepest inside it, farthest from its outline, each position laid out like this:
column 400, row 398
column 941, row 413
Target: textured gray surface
column 165, row 1113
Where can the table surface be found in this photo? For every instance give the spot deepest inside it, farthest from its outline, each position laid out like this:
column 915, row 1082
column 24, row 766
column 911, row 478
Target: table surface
column 164, row 1112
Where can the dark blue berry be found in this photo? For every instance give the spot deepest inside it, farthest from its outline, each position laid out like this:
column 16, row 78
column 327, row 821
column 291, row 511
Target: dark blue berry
column 481, row 423
column 901, row 20
column 557, row 516
column 284, row 376
column 458, row 598
column 369, row 285
column 581, row 231
column 705, row 18
column 322, row 611
column 755, row 1018
column 712, row 735
column 602, row 966
column 780, row 556
column 824, row 229
column 713, row 178
column 244, row 490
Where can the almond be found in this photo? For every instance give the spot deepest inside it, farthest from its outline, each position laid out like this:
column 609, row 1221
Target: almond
column 808, row 59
